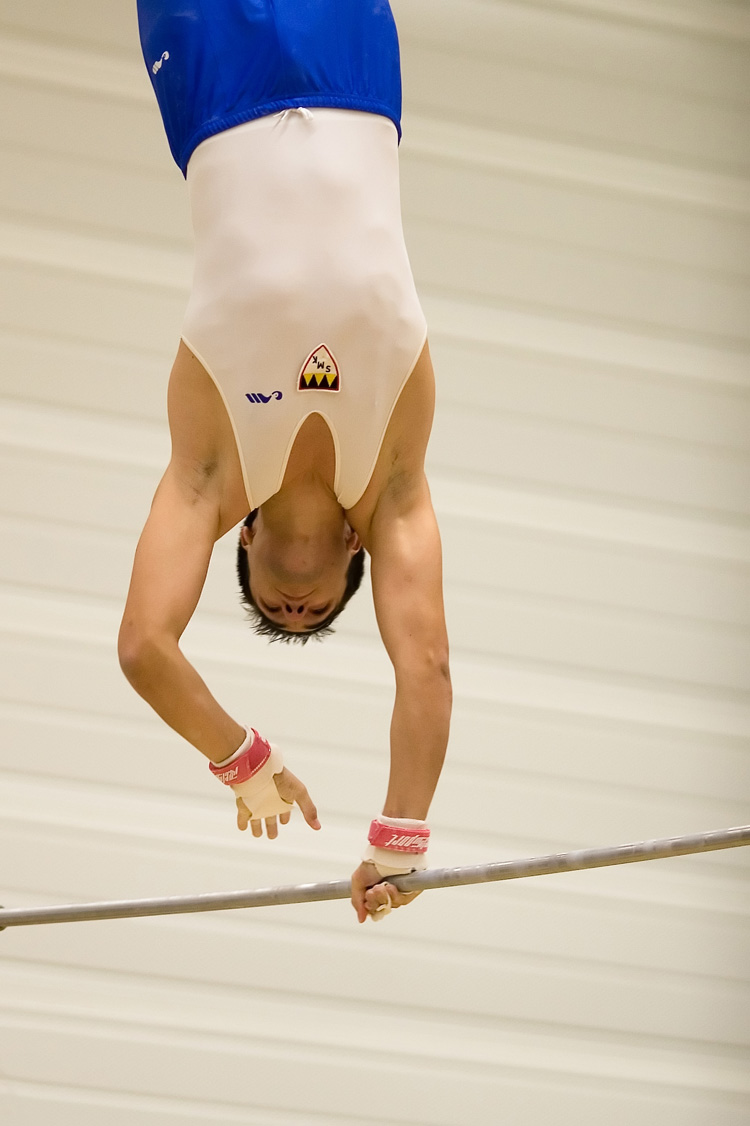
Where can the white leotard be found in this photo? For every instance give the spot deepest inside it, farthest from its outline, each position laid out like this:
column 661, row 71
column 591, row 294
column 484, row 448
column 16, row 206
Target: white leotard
column 301, row 267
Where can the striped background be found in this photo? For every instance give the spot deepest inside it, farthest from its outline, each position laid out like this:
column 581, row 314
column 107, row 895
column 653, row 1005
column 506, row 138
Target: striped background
column 576, row 189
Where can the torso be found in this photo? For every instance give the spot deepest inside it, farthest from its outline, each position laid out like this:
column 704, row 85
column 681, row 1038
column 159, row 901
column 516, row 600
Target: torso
column 303, row 300
column 210, row 452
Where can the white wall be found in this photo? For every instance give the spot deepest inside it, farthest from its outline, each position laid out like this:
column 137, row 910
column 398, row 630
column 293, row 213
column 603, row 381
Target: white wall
column 576, row 196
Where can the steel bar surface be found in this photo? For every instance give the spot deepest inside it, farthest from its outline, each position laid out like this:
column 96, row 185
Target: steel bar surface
column 418, row 881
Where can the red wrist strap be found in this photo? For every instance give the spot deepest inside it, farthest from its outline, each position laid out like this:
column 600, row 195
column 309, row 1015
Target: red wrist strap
column 246, row 765
column 399, row 839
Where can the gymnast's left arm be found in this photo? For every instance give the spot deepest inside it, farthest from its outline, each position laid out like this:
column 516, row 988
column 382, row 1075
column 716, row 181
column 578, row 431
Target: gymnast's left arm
column 408, row 593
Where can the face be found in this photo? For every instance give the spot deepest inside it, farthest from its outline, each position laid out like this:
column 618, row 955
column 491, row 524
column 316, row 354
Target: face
column 297, row 585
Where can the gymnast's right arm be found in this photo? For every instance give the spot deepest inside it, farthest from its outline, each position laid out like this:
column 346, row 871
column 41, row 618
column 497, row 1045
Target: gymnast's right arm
column 169, row 571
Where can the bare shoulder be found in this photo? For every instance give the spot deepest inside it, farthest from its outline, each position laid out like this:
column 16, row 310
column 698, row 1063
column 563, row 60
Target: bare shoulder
column 398, row 482
column 204, row 452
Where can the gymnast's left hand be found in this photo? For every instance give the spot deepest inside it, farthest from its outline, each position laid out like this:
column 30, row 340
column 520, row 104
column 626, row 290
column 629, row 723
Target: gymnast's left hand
column 373, row 897
column 291, row 790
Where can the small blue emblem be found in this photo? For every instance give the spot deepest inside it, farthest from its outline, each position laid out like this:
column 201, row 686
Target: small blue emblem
column 257, row 397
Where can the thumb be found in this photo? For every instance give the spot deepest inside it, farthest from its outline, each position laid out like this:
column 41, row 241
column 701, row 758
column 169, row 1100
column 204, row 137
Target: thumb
column 359, row 888
column 292, row 790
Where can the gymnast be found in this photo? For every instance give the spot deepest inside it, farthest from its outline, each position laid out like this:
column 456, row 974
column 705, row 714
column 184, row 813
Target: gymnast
column 301, row 398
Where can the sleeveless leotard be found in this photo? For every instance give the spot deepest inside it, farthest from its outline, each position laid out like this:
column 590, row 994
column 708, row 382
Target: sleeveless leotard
column 303, row 299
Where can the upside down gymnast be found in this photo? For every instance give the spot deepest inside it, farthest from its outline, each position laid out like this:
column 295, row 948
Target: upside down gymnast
column 301, row 399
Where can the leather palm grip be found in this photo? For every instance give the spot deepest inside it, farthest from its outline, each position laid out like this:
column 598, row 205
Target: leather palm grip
column 249, row 772
column 397, row 845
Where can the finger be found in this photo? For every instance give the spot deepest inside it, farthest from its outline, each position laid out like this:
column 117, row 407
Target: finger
column 358, row 901
column 378, row 894
column 243, row 815
column 374, row 903
column 402, row 898
column 380, row 904
column 307, row 805
column 257, row 828
column 272, row 831
column 375, row 896
column 285, row 818
column 310, row 814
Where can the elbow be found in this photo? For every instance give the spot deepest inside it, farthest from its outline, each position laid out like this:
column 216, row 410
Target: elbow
column 437, row 661
column 430, row 667
column 444, row 674
column 138, row 653
column 131, row 654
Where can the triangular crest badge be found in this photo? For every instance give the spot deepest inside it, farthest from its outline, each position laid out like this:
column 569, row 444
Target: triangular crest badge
column 320, row 372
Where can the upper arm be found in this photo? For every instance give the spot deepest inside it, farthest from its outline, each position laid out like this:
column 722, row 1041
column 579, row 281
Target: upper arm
column 407, row 579
column 192, row 507
column 171, row 560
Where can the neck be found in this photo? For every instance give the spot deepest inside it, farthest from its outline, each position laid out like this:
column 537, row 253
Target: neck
column 303, row 507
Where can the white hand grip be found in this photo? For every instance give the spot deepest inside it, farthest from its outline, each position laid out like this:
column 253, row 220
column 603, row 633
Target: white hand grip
column 259, row 793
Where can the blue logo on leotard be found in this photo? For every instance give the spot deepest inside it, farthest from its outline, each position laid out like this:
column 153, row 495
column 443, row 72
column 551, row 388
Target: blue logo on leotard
column 257, row 397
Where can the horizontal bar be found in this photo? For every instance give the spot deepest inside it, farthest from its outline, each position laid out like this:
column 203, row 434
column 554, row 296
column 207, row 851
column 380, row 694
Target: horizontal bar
column 417, row 881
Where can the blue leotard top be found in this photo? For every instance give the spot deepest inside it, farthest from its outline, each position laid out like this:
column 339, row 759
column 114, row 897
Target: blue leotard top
column 218, row 63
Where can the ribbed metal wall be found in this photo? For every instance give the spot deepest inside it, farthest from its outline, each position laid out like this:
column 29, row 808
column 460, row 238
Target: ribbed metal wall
column 576, row 188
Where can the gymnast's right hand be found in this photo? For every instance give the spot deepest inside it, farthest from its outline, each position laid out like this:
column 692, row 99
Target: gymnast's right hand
column 290, row 791
column 263, row 787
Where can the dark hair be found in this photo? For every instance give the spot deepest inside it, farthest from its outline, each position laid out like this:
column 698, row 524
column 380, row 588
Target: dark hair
column 265, row 626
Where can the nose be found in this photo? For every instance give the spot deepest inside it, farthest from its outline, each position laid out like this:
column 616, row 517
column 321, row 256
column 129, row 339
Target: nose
column 294, row 608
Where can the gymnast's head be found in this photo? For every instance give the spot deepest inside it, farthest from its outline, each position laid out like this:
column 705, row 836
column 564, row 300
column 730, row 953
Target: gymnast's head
column 294, row 588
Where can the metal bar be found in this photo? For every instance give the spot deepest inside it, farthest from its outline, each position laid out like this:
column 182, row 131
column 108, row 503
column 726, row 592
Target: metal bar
column 417, row 881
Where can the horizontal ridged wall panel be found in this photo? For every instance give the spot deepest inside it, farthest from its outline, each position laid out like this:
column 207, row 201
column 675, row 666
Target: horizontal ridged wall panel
column 577, row 210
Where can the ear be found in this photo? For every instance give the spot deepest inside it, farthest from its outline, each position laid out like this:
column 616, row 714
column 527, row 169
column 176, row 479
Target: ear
column 246, row 535
column 352, row 541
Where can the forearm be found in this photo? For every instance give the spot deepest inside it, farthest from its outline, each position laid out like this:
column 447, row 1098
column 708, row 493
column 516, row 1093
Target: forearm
column 419, row 737
column 160, row 673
